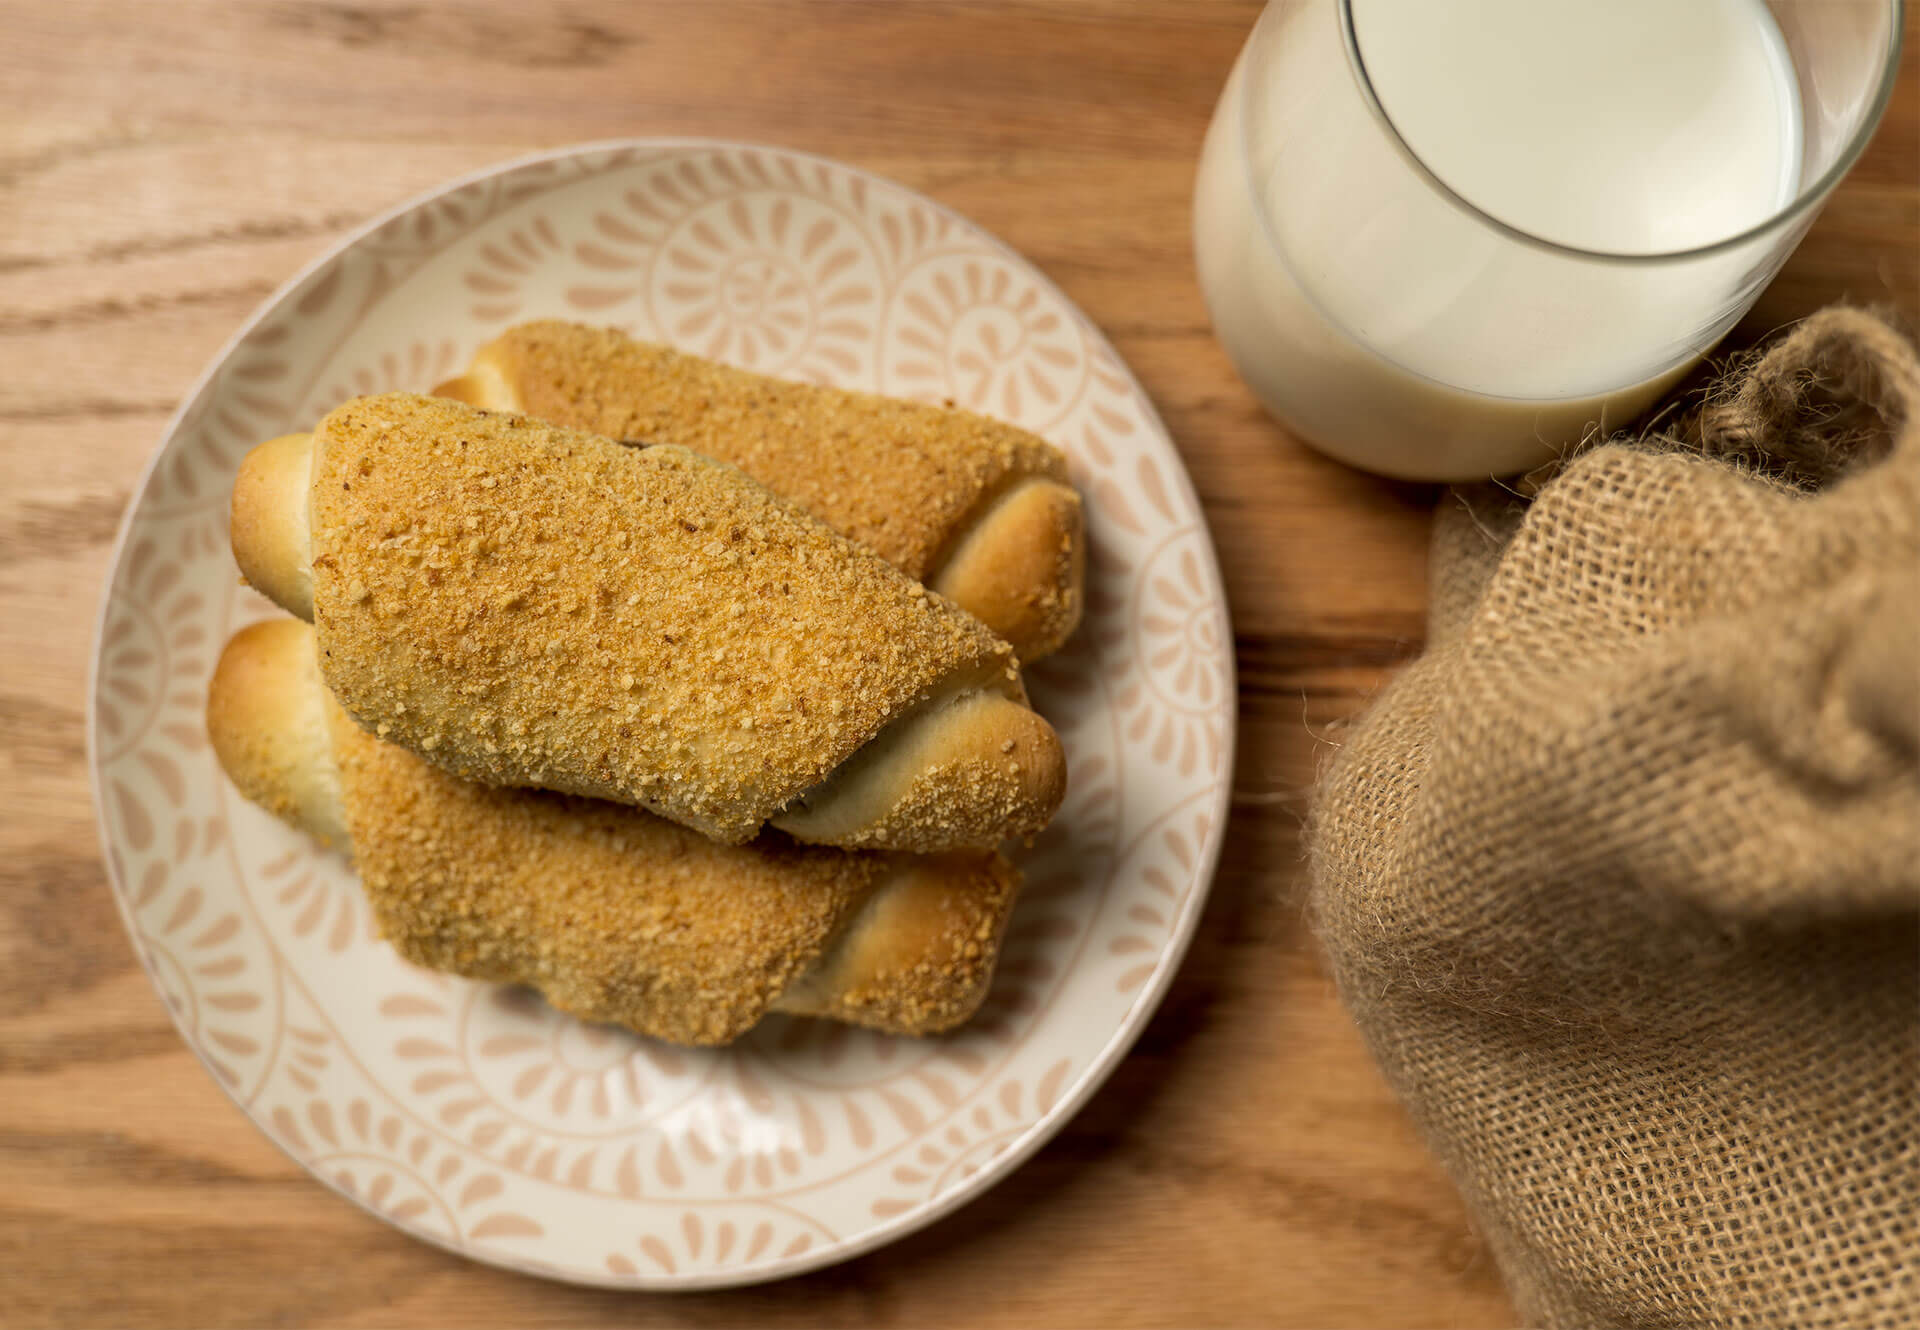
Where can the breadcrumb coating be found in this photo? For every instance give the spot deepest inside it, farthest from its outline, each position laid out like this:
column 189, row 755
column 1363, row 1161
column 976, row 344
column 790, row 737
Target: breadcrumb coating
column 920, row 956
column 945, row 789
column 899, row 477
column 618, row 916
column 529, row 605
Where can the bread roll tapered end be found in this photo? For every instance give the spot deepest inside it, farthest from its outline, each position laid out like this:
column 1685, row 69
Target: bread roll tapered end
column 920, row 957
column 487, row 384
column 267, row 721
column 1022, row 566
column 967, row 770
column 271, row 536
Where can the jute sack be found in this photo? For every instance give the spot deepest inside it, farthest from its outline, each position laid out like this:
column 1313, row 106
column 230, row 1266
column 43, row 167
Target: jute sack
column 1621, row 879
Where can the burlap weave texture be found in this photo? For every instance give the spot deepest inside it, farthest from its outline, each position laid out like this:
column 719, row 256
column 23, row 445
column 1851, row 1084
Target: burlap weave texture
column 1621, row 879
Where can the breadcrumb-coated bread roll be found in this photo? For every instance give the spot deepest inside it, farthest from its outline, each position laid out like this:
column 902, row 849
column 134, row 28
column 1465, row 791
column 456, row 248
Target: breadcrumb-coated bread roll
column 979, row 510
column 614, row 914
column 527, row 605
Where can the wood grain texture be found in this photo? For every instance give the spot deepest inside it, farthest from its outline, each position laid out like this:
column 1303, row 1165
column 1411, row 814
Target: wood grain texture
column 163, row 167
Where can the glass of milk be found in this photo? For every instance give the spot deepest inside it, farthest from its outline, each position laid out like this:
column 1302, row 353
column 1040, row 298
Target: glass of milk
column 1443, row 239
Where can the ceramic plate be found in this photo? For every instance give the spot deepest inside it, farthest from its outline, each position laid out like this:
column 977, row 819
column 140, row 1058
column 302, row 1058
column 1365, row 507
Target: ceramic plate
column 474, row 1116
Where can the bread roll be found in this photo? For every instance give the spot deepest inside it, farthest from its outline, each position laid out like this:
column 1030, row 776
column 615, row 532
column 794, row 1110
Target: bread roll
column 526, row 605
column 978, row 510
column 614, row 914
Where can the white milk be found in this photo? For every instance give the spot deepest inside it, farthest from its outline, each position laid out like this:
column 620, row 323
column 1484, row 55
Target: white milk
column 1397, row 330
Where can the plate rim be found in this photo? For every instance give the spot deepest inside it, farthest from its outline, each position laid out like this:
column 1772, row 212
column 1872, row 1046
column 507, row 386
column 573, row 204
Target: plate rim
column 1098, row 1069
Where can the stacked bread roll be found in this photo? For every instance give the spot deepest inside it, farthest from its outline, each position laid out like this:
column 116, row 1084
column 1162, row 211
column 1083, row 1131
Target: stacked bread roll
column 616, row 720
column 975, row 509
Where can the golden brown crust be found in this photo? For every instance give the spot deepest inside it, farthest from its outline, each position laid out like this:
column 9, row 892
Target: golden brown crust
column 526, row 605
column 268, row 728
column 269, row 521
column 957, row 770
column 485, row 385
column 1021, row 566
column 908, row 481
column 615, row 914
column 919, row 957
column 619, row 916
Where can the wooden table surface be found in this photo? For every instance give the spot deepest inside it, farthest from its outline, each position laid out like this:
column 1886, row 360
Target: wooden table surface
column 164, row 166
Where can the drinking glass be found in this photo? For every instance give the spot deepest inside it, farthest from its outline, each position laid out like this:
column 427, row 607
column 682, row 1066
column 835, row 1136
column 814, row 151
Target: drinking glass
column 1398, row 325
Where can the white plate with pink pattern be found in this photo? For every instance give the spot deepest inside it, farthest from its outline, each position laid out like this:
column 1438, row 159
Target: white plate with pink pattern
column 477, row 1118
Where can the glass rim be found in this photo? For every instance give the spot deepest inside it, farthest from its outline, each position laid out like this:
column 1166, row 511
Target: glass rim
column 1803, row 201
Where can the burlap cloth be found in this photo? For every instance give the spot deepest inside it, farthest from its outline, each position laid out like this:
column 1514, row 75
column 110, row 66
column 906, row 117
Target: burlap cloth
column 1621, row 879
